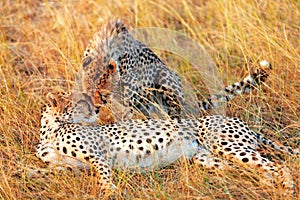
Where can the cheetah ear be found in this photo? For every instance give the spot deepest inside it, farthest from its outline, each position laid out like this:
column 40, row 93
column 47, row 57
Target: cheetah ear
column 51, row 100
column 86, row 61
column 120, row 27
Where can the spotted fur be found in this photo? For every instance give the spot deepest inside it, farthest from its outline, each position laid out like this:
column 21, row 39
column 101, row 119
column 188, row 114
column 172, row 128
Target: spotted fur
column 123, row 75
column 141, row 145
column 116, row 66
column 255, row 78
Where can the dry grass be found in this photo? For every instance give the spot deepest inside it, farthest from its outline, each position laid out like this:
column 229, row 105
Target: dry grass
column 41, row 50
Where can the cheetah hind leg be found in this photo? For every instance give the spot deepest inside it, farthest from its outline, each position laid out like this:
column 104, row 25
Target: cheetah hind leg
column 271, row 169
column 206, row 159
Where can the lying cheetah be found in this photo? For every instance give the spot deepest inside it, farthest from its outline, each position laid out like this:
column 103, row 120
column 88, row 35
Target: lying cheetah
column 141, row 145
column 116, row 67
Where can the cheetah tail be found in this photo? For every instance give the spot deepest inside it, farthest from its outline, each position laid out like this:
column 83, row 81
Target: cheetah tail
column 255, row 78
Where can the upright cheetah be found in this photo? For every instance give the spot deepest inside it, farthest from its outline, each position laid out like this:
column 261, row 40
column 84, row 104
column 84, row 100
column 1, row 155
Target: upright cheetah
column 141, row 145
column 118, row 67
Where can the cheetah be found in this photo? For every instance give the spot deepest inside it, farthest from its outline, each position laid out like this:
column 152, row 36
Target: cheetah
column 142, row 145
column 121, row 73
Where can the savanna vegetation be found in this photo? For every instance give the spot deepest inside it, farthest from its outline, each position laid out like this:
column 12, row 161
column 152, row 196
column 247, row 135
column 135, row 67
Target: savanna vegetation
column 41, row 47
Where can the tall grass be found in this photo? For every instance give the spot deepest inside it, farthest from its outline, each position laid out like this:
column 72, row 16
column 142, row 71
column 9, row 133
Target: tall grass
column 41, row 50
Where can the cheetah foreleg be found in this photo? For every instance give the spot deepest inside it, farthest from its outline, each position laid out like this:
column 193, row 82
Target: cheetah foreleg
column 48, row 154
column 104, row 174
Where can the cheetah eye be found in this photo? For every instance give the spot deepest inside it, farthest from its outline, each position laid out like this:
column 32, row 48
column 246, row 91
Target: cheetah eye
column 111, row 65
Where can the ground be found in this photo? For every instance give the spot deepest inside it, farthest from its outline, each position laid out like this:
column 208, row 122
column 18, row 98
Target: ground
column 42, row 46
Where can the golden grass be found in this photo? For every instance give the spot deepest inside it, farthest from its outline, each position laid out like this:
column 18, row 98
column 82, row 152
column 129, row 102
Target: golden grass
column 41, row 50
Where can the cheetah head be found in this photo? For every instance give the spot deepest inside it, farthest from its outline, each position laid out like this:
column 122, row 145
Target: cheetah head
column 62, row 108
column 101, row 60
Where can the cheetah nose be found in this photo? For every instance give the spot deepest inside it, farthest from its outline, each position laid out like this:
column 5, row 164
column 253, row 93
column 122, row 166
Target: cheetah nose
column 97, row 110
